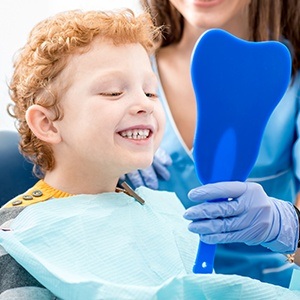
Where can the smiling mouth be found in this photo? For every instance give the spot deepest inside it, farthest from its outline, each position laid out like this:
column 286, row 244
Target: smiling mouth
column 136, row 134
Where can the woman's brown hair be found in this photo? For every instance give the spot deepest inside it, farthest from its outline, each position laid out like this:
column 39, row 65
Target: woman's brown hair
column 268, row 20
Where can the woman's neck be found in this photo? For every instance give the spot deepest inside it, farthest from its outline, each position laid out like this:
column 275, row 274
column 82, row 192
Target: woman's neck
column 237, row 26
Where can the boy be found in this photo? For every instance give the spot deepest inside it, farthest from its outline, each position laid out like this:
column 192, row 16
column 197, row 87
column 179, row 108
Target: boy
column 85, row 100
column 87, row 111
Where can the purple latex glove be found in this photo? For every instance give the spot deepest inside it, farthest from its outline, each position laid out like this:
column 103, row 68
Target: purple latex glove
column 248, row 216
column 149, row 177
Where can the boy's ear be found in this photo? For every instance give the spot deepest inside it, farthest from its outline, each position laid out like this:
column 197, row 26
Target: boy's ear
column 40, row 122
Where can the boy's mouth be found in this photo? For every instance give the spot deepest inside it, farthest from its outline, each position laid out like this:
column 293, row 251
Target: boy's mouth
column 136, row 134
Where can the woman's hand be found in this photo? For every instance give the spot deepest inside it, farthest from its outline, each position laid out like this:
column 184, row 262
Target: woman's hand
column 246, row 215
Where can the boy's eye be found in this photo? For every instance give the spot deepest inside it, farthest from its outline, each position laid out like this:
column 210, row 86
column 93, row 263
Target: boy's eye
column 151, row 95
column 112, row 94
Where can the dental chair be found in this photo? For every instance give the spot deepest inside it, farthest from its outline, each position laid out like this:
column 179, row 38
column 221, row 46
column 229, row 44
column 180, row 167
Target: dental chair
column 16, row 174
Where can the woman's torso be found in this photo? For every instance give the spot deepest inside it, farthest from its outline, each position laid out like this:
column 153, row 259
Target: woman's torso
column 277, row 168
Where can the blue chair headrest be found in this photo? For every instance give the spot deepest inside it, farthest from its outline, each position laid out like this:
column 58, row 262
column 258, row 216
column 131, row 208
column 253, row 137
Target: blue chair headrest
column 15, row 172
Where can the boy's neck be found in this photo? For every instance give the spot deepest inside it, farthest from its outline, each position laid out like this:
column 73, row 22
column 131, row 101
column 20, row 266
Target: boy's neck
column 81, row 184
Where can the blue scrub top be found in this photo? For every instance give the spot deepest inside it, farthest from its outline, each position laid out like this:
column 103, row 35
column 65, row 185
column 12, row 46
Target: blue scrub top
column 277, row 169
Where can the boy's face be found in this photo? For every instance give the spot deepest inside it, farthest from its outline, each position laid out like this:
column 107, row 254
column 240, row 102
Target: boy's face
column 113, row 121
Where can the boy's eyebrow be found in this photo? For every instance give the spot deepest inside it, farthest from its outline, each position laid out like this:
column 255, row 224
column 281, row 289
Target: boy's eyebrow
column 107, row 75
column 113, row 79
column 104, row 79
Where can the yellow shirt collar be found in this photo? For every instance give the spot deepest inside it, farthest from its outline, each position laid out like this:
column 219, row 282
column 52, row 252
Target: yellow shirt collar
column 40, row 192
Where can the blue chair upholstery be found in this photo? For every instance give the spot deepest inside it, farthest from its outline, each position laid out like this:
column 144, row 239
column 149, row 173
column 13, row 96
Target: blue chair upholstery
column 15, row 172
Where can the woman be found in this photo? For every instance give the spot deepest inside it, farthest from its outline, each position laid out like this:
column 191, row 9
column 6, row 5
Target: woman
column 277, row 168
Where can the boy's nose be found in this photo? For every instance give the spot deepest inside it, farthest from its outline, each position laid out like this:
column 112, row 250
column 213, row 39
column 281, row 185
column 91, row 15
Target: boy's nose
column 142, row 104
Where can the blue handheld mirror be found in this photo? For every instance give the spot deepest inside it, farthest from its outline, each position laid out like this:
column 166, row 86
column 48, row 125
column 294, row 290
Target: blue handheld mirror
column 237, row 85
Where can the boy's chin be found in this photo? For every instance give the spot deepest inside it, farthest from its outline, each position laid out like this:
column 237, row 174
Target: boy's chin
column 141, row 166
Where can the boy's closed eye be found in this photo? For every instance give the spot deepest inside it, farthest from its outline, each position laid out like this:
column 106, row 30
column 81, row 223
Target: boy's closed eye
column 151, row 95
column 116, row 94
column 110, row 94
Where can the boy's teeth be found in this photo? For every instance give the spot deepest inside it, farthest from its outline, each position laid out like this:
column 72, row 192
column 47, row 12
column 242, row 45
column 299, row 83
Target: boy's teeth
column 136, row 134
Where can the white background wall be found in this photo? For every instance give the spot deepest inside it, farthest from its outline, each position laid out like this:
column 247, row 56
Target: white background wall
column 17, row 17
